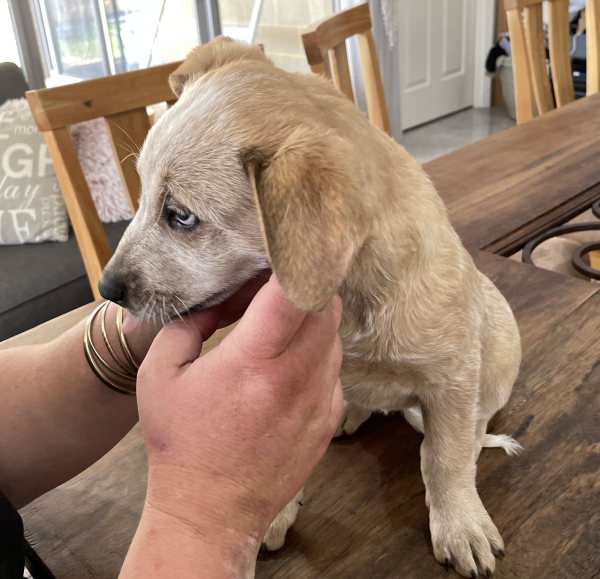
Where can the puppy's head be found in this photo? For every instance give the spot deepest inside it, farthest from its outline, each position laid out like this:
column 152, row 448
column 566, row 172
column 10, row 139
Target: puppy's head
column 237, row 178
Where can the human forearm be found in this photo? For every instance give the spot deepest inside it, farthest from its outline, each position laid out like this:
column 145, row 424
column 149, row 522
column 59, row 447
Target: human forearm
column 57, row 417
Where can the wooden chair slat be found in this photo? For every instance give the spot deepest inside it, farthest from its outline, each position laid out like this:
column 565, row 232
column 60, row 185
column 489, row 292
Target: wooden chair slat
column 523, row 89
column 310, row 40
column 317, row 58
column 536, row 48
column 121, row 100
column 519, row 4
column 319, row 69
column 340, row 70
column 127, row 132
column 376, row 106
column 333, row 30
column 592, row 24
column 529, row 55
column 325, row 47
column 88, row 228
column 59, row 107
column 560, row 51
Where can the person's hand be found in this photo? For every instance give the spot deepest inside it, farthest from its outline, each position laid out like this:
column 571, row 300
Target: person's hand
column 232, row 436
column 140, row 333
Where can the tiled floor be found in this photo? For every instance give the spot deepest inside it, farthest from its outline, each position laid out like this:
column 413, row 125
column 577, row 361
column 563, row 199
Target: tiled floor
column 445, row 135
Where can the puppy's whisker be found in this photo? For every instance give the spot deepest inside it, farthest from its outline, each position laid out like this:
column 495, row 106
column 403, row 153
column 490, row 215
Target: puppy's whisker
column 126, row 133
column 179, row 315
column 127, row 147
column 164, row 307
column 129, row 150
column 183, row 304
column 125, row 158
column 148, row 305
column 162, row 313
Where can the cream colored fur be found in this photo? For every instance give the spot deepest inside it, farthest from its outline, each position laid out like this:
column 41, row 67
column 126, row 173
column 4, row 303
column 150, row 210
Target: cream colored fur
column 342, row 208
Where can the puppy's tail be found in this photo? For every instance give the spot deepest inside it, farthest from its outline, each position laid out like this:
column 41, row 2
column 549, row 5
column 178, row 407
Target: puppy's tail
column 414, row 417
column 510, row 445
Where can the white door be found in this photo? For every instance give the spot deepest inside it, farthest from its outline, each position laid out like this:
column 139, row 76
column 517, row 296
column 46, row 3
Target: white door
column 436, row 62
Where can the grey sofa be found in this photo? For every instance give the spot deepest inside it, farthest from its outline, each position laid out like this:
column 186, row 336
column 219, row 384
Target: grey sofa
column 40, row 281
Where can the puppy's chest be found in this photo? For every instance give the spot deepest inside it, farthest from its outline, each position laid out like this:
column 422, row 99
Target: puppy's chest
column 381, row 369
column 375, row 378
column 379, row 385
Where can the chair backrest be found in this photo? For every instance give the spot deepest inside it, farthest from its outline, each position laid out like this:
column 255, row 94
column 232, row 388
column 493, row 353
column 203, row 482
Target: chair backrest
column 325, row 47
column 592, row 25
column 529, row 54
column 121, row 100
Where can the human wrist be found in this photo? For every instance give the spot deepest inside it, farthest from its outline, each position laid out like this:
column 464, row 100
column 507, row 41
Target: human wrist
column 222, row 512
column 182, row 548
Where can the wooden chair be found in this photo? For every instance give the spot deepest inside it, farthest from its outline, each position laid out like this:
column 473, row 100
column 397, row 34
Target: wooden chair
column 121, row 100
column 532, row 83
column 592, row 25
column 325, row 47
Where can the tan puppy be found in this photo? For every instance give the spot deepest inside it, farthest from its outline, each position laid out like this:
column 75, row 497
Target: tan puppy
column 341, row 208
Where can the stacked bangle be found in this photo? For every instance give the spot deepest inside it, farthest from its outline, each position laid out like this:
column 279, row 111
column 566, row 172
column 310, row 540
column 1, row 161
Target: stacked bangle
column 121, row 380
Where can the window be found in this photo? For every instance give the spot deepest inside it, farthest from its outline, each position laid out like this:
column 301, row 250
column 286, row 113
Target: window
column 279, row 26
column 146, row 33
column 86, row 39
column 8, row 45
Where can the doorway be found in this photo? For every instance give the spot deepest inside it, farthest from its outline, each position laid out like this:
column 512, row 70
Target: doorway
column 437, row 58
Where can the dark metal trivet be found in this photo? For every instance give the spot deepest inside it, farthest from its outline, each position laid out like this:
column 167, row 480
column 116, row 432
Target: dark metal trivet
column 577, row 257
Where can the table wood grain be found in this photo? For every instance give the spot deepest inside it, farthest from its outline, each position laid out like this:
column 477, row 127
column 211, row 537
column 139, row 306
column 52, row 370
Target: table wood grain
column 523, row 176
column 365, row 514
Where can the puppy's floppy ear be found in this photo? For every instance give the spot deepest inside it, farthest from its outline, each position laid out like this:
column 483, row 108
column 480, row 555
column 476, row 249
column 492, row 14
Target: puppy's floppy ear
column 310, row 212
column 222, row 50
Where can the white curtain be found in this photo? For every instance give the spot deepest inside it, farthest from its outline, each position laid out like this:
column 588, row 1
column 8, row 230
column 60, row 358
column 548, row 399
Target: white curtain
column 388, row 54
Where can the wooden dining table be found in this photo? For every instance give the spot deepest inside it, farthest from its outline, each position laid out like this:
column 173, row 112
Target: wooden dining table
column 364, row 516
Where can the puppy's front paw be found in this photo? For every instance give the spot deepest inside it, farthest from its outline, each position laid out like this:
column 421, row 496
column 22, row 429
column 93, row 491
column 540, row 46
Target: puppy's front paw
column 352, row 417
column 465, row 537
column 275, row 536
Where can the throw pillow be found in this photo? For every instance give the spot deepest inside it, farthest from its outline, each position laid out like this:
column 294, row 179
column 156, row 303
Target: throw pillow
column 99, row 166
column 32, row 208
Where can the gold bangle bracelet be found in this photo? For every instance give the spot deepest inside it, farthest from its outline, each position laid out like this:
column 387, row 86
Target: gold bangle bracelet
column 92, row 362
column 128, row 371
column 122, row 339
column 102, row 377
column 88, row 337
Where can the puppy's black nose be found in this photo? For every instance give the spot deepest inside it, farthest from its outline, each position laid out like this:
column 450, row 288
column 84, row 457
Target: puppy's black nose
column 113, row 289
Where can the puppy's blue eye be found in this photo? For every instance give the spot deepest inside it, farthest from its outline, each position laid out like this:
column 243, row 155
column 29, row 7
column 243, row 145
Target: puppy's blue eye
column 187, row 220
column 180, row 220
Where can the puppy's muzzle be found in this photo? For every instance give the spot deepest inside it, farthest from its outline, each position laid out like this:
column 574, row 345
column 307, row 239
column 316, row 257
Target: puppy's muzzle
column 113, row 289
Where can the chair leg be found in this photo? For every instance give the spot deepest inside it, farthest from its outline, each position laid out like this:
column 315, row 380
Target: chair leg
column 35, row 565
